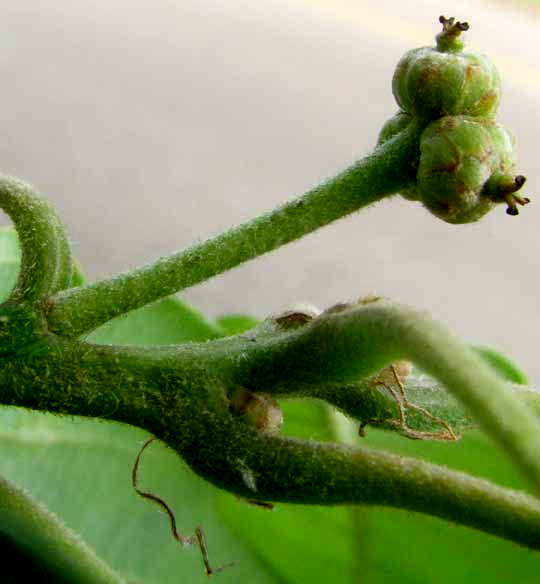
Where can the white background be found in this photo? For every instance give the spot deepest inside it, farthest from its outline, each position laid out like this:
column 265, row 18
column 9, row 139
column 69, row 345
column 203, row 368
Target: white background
column 154, row 124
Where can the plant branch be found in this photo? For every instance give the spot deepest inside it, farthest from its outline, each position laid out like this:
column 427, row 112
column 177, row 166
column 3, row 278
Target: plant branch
column 387, row 170
column 190, row 412
column 357, row 342
column 180, row 395
column 46, row 256
column 287, row 470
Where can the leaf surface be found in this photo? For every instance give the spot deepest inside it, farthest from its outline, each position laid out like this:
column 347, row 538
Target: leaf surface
column 10, row 260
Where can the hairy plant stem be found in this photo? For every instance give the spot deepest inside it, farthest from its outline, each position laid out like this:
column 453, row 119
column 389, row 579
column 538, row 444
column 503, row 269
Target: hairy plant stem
column 180, row 394
column 46, row 257
column 361, row 340
column 389, row 169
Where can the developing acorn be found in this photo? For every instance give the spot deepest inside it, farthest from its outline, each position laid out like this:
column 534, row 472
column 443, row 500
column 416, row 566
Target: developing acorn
column 466, row 167
column 432, row 82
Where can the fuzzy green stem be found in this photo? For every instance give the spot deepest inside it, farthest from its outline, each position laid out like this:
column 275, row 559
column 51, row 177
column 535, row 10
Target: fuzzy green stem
column 287, row 470
column 361, row 340
column 175, row 396
column 46, row 257
column 41, row 535
column 386, row 171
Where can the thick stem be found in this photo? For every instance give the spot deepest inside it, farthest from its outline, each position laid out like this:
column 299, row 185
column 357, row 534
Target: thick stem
column 359, row 341
column 277, row 469
column 384, row 172
column 335, row 347
column 181, row 402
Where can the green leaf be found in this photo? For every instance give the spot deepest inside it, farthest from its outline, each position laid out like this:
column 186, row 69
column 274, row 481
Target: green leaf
column 10, row 260
column 234, row 324
column 412, row 548
column 429, row 402
column 166, row 321
column 77, row 277
column 81, row 470
column 505, row 367
column 39, row 544
column 426, row 392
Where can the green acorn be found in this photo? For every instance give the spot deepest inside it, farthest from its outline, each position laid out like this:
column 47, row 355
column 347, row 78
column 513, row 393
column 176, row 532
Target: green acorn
column 433, row 82
column 466, row 167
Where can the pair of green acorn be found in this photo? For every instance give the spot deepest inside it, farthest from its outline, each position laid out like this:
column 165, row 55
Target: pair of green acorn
column 466, row 163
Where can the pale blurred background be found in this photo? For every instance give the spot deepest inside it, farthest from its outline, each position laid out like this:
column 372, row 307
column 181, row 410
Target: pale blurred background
column 154, row 124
